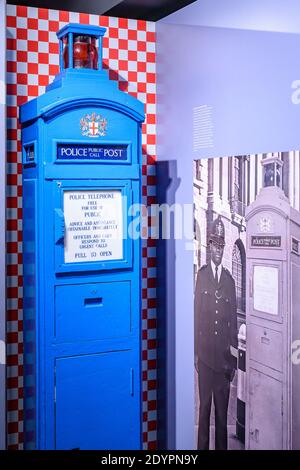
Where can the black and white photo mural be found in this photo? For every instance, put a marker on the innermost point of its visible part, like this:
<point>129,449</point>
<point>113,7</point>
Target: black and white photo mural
<point>247,278</point>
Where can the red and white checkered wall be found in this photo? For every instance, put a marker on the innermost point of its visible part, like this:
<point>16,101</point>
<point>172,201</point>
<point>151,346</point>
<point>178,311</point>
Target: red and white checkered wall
<point>32,62</point>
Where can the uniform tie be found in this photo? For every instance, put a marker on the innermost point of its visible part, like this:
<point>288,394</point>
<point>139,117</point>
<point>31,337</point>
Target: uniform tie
<point>216,276</point>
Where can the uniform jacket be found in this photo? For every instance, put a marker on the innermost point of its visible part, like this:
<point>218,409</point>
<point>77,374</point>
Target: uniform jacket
<point>215,320</point>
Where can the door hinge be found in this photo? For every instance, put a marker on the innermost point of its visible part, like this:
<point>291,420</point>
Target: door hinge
<point>59,226</point>
<point>55,384</point>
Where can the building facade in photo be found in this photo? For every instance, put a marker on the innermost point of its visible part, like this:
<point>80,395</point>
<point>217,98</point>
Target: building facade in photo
<point>225,186</point>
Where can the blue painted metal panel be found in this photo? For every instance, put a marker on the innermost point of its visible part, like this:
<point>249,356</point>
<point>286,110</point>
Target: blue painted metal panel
<point>82,320</point>
<point>95,402</point>
<point>29,311</point>
<point>96,31</point>
<point>92,311</point>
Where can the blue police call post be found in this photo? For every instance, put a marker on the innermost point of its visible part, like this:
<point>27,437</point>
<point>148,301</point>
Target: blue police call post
<point>81,144</point>
<point>272,319</point>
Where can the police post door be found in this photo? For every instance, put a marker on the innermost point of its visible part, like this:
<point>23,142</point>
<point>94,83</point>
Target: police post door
<point>81,145</point>
<point>273,297</point>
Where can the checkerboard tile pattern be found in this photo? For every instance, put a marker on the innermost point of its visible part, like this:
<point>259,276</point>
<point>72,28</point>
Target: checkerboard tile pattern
<point>32,62</point>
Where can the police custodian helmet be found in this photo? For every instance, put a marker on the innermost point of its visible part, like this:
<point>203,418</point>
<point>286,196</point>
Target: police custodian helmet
<point>217,234</point>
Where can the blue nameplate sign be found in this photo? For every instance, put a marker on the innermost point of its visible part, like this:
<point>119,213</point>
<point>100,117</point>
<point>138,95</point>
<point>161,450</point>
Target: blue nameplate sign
<point>91,152</point>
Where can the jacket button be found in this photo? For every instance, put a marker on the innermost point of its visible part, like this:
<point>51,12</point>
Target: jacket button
<point>216,332</point>
<point>216,322</point>
<point>217,311</point>
<point>216,301</point>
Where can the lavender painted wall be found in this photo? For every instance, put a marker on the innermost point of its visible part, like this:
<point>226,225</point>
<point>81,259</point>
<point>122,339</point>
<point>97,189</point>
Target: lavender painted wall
<point>245,77</point>
<point>258,15</point>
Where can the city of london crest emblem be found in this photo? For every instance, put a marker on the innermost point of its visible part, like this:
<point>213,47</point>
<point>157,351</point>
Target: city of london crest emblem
<point>93,125</point>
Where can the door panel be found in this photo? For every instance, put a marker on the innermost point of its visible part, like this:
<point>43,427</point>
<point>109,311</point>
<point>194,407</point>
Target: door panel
<point>93,311</point>
<point>265,346</point>
<point>97,405</point>
<point>265,412</point>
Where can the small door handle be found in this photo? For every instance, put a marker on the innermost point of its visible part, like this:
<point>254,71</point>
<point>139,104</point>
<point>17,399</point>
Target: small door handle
<point>254,434</point>
<point>131,382</point>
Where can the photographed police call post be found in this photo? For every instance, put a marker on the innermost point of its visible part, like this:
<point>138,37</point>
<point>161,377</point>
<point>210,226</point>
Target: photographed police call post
<point>215,339</point>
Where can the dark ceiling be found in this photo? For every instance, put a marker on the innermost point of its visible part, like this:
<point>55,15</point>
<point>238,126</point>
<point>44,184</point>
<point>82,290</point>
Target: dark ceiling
<point>150,10</point>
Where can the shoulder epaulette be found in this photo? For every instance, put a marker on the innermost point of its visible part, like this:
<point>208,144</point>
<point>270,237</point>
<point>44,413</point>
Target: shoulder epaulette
<point>204,266</point>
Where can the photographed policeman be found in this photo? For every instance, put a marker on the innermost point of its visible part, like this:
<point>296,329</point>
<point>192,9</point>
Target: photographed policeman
<point>215,339</point>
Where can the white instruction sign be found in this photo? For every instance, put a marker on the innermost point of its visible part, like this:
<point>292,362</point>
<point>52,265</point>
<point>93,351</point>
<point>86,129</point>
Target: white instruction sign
<point>265,289</point>
<point>93,226</point>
